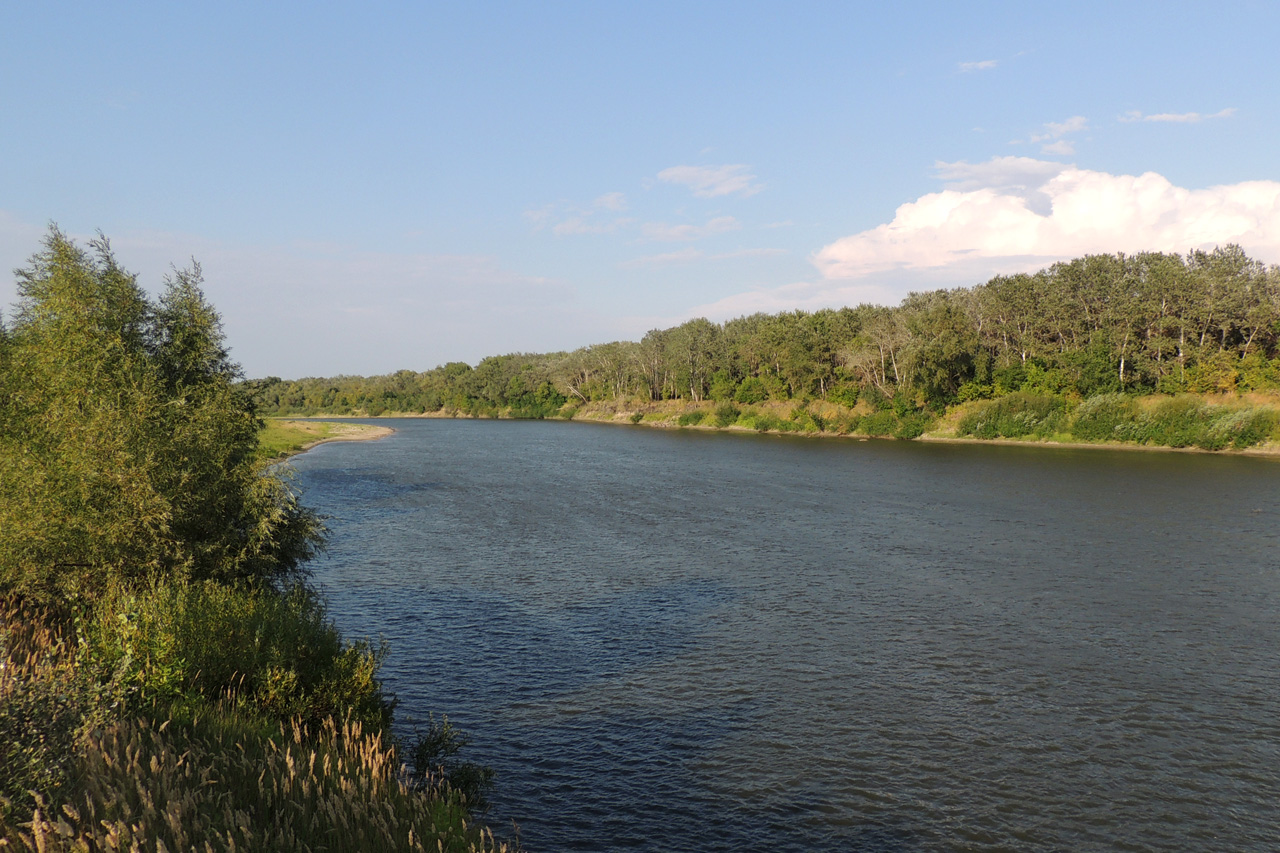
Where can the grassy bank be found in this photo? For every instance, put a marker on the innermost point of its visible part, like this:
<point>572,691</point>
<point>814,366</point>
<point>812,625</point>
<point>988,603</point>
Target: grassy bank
<point>1204,422</point>
<point>281,437</point>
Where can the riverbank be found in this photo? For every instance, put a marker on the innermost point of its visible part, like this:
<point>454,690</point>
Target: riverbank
<point>1190,423</point>
<point>285,437</point>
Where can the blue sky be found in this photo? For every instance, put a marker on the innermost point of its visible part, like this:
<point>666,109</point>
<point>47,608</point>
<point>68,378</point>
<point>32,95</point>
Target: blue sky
<point>395,185</point>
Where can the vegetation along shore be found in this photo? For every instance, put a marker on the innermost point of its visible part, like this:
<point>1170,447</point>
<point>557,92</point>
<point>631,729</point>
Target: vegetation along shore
<point>1150,350</point>
<point>282,437</point>
<point>169,680</point>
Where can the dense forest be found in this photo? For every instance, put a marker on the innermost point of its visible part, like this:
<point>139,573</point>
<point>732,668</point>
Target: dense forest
<point>168,677</point>
<point>1207,322</point>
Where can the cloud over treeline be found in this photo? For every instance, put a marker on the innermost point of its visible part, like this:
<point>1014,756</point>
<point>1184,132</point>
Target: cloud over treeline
<point>1027,212</point>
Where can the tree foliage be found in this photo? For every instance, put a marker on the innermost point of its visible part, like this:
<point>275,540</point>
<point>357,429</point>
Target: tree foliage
<point>127,444</point>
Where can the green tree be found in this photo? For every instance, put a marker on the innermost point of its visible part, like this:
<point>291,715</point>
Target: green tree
<point>126,448</point>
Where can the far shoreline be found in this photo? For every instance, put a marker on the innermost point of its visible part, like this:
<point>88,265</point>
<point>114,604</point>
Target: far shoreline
<point>1271,451</point>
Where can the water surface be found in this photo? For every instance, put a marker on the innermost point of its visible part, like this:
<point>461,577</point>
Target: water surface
<point>682,640</point>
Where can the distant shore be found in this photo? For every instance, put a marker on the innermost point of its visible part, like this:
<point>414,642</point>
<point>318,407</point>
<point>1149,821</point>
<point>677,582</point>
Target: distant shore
<point>663,416</point>
<point>286,437</point>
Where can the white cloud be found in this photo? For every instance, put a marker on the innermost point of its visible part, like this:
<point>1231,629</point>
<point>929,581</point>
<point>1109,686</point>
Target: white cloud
<point>1177,118</point>
<point>713,181</point>
<point>585,225</point>
<point>1053,133</point>
<point>984,65</point>
<point>611,201</point>
<point>666,233</point>
<point>575,219</point>
<point>1016,213</point>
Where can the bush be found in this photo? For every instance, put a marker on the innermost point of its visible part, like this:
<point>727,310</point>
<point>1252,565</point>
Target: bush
<point>727,414</point>
<point>1240,428</point>
<point>691,418</point>
<point>912,425</point>
<point>1014,416</point>
<point>189,643</point>
<point>1106,417</point>
<point>882,423</point>
<point>764,422</point>
<point>752,390</point>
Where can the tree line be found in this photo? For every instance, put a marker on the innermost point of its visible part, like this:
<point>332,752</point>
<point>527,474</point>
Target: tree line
<point>1207,321</point>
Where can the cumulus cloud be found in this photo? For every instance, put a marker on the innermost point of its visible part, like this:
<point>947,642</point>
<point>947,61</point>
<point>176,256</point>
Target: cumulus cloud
<point>667,233</point>
<point>984,65</point>
<point>1019,213</point>
<point>713,181</point>
<point>1177,118</point>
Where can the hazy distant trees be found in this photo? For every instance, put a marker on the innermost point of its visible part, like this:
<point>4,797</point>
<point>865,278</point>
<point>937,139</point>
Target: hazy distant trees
<point>1206,322</point>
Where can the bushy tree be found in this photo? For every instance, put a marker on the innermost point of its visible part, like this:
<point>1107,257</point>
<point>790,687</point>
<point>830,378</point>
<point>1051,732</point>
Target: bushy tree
<point>127,450</point>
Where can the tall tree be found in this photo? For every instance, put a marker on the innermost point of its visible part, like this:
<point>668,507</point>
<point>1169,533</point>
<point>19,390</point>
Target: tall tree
<point>126,449</point>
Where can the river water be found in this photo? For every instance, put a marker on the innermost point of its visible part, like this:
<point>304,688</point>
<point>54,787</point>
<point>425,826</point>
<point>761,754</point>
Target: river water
<point>673,640</point>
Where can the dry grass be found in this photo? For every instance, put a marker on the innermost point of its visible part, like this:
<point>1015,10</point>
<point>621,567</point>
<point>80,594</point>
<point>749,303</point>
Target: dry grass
<point>215,785</point>
<point>219,781</point>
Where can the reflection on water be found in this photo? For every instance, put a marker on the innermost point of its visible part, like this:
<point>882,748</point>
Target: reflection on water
<point>683,640</point>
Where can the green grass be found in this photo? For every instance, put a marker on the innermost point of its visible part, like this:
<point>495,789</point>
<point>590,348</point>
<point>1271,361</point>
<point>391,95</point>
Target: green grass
<point>281,438</point>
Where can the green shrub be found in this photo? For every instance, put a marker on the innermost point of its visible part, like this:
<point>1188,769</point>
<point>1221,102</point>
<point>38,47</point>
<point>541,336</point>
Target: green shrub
<point>433,754</point>
<point>1176,422</point>
<point>727,414</point>
<point>881,423</point>
<point>1240,428</point>
<point>636,417</point>
<point>764,422</point>
<point>1106,417</point>
<point>691,418</point>
<point>189,643</point>
<point>752,390</point>
<point>1014,416</point>
<point>912,425</point>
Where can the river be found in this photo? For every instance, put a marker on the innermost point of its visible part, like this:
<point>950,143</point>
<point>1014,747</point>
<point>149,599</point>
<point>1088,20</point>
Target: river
<point>675,640</point>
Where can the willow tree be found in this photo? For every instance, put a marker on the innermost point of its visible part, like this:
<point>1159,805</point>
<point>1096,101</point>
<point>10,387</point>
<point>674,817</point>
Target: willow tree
<point>126,448</point>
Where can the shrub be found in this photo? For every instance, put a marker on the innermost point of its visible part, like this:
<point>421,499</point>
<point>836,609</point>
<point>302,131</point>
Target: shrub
<point>636,417</point>
<point>912,425</point>
<point>764,422</point>
<point>1014,416</point>
<point>882,423</point>
<point>1241,428</point>
<point>691,418</point>
<point>752,390</point>
<point>1176,422</point>
<point>1106,417</point>
<point>727,414</point>
<point>189,643</point>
